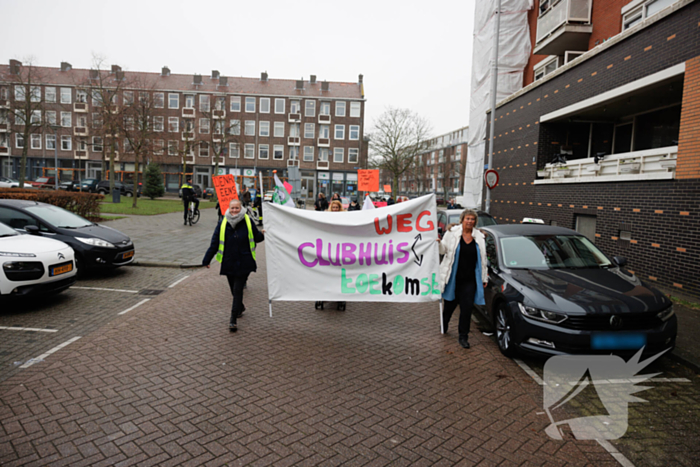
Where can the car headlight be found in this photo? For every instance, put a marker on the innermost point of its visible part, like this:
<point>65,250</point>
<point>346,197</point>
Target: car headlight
<point>541,315</point>
<point>666,314</point>
<point>17,255</point>
<point>96,242</point>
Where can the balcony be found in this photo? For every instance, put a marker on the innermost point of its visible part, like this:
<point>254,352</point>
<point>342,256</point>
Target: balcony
<point>4,104</point>
<point>4,127</point>
<point>326,119</point>
<point>188,136</point>
<point>80,107</point>
<point>565,25</point>
<point>324,142</point>
<point>293,141</point>
<point>294,118</point>
<point>187,112</point>
<point>292,162</point>
<point>322,165</point>
<point>80,131</point>
<point>651,164</point>
<point>221,160</point>
<point>218,114</point>
<point>217,137</point>
<point>4,150</point>
<point>81,154</point>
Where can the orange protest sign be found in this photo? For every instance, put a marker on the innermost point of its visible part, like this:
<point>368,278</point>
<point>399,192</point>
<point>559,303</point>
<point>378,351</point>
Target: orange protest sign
<point>387,188</point>
<point>225,190</point>
<point>368,180</point>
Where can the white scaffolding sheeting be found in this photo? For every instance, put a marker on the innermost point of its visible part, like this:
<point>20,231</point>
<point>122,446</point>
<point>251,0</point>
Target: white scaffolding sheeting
<point>513,51</point>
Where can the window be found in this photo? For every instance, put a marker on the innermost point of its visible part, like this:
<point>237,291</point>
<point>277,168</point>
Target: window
<point>250,104</point>
<point>66,143</point>
<point>3,93</point>
<point>324,131</point>
<point>220,103</point>
<point>278,152</point>
<point>19,140</point>
<point>218,127</point>
<point>354,132</point>
<point>263,151</point>
<point>143,97</point>
<point>279,130</point>
<point>204,125</point>
<point>189,101</point>
<point>35,94</point>
<point>173,148</point>
<point>323,154</point>
<point>50,95</point>
<point>340,109</point>
<point>546,67</point>
<point>127,146</point>
<point>353,155</point>
<point>204,103</point>
<point>340,132</point>
<point>325,108</point>
<point>158,146</point>
<point>19,93</point>
<point>310,108</point>
<point>294,107</point>
<point>36,141</point>
<point>173,124</point>
<point>129,123</point>
<point>249,128</point>
<point>173,100</point>
<point>50,141</point>
<point>294,130</point>
<point>96,120</point>
<point>35,118</point>
<point>19,117</point>
<point>293,153</point>
<point>128,98</point>
<point>249,151</point>
<point>81,96</point>
<point>308,153</point>
<point>309,130</point>
<point>234,150</point>
<point>279,106</point>
<point>158,123</point>
<point>355,109</point>
<point>158,100</point>
<point>235,128</point>
<point>97,145</point>
<point>204,150</point>
<point>66,96</point>
<point>338,155</point>
<point>264,128</point>
<point>188,125</point>
<point>265,105</point>
<point>81,121</point>
<point>235,103</point>
<point>645,9</point>
<point>96,98</point>
<point>66,119</point>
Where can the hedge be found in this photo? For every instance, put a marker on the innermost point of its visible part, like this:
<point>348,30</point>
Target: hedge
<point>86,205</point>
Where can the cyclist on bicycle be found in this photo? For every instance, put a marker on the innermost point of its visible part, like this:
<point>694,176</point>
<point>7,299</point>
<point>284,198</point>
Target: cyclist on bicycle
<point>188,195</point>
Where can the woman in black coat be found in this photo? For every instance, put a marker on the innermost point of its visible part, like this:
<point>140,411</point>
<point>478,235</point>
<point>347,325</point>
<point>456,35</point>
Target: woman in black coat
<point>238,256</point>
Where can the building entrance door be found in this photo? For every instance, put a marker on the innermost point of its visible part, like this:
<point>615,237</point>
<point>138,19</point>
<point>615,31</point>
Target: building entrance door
<point>94,170</point>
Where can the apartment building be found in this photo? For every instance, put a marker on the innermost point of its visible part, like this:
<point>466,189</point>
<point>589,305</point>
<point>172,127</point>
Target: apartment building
<point>264,124</point>
<point>604,137</point>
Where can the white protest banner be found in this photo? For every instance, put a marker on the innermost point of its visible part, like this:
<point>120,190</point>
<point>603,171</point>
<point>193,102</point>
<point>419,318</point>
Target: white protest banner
<point>378,255</point>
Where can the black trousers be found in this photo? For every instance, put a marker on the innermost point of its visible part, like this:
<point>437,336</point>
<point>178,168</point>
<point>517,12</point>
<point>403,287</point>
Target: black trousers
<point>187,205</point>
<point>464,297</point>
<point>236,284</point>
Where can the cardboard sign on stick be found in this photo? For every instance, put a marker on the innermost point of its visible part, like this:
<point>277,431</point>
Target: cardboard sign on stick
<point>387,188</point>
<point>368,180</point>
<point>225,186</point>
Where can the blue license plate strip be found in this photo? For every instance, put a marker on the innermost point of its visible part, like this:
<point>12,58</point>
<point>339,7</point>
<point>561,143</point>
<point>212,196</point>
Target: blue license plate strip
<point>617,341</point>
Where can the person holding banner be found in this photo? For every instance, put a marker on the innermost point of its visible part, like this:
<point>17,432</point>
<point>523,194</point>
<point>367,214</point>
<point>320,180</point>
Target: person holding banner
<point>233,243</point>
<point>336,206</point>
<point>463,272</point>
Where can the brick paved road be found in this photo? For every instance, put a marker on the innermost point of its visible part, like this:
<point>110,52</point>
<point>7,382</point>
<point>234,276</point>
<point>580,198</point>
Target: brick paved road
<point>167,384</point>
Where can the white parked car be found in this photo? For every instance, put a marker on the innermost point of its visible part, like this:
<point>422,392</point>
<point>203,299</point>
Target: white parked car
<point>8,183</point>
<point>31,265</point>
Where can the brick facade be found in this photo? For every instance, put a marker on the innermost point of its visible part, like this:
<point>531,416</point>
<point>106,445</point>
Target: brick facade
<point>689,137</point>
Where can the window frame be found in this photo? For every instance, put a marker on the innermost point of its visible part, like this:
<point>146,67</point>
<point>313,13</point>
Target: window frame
<point>312,126</point>
<point>340,105</point>
<point>246,148</point>
<point>357,155</point>
<point>66,138</point>
<point>50,94</point>
<point>66,92</point>
<point>310,156</point>
<point>204,126</point>
<point>97,142</point>
<point>280,148</point>
<point>173,97</point>
<point>231,147</point>
<point>69,116</point>
<point>250,105</point>
<point>35,137</point>
<point>350,132</point>
<point>174,122</point>
<point>249,128</point>
<point>278,126</point>
<point>283,103</point>
<point>235,102</point>
<point>264,129</point>
<point>204,103</point>
<point>50,141</point>
<point>264,105</point>
<point>337,151</point>
<point>158,123</point>
<point>355,107</point>
<point>340,127</point>
<point>158,100</point>
<point>265,147</point>
<point>309,107</point>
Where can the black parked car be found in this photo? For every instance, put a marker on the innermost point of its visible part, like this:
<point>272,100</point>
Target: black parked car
<point>551,292</point>
<point>89,185</point>
<point>70,185</point>
<point>95,245</point>
<point>446,217</point>
<point>124,188</point>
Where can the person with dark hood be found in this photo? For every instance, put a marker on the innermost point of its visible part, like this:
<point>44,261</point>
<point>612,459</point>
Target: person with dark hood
<point>390,201</point>
<point>321,203</point>
<point>354,205</point>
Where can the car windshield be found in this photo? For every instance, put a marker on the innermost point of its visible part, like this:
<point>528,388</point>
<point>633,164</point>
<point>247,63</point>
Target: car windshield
<point>552,252</point>
<point>482,221</point>
<point>6,231</point>
<point>58,216</point>
<point>88,181</point>
<point>42,180</point>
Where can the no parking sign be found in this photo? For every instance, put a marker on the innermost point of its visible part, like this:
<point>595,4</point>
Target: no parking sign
<point>491,178</point>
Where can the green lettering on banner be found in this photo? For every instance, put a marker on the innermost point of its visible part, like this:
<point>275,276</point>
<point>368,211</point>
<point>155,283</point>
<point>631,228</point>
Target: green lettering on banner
<point>374,279</point>
<point>345,283</point>
<point>425,282</point>
<point>362,283</point>
<point>398,285</point>
<point>436,286</point>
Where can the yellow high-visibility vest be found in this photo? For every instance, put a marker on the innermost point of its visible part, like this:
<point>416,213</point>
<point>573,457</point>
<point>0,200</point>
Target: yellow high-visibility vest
<point>222,237</point>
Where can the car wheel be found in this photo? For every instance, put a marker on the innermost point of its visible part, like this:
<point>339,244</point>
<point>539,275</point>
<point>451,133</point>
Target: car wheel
<point>79,266</point>
<point>503,324</point>
<point>129,194</point>
<point>102,192</point>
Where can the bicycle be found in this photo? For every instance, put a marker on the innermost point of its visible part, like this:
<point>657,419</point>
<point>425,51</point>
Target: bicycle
<point>192,214</point>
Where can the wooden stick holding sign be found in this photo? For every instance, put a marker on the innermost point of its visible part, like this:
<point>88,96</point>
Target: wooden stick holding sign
<point>225,186</point>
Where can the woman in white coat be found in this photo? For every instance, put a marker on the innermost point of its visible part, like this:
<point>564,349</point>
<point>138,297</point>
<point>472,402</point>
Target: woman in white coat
<point>463,272</point>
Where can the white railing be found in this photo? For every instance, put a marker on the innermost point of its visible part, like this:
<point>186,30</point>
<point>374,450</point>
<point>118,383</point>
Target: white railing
<point>650,164</point>
<point>564,11</point>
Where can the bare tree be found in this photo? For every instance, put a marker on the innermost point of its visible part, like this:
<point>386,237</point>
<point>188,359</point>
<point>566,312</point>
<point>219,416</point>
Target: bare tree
<point>397,139</point>
<point>24,81</point>
<point>215,132</point>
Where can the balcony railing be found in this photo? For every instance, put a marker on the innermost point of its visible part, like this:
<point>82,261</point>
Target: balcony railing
<point>81,154</point>
<point>4,150</point>
<point>564,11</point>
<point>218,114</point>
<point>324,119</point>
<point>322,165</point>
<point>4,127</point>
<point>80,131</point>
<point>187,112</point>
<point>293,141</point>
<point>650,164</point>
<point>292,162</point>
<point>294,117</point>
<point>324,142</point>
<point>80,107</point>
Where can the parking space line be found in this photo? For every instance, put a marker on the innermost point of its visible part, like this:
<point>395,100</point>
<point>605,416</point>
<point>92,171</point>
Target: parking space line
<point>105,289</point>
<point>41,357</point>
<point>138,304</point>
<point>529,371</point>
<point>12,328</point>
<point>178,281</point>
<point>619,457</point>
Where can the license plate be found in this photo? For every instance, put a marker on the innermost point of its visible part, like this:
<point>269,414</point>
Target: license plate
<point>611,341</point>
<point>128,254</point>
<point>58,270</point>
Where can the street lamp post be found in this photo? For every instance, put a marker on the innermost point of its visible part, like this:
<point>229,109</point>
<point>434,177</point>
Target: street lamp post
<point>55,154</point>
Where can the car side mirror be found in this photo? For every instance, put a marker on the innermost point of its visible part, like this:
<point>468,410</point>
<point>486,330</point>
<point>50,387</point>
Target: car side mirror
<point>620,261</point>
<point>31,229</point>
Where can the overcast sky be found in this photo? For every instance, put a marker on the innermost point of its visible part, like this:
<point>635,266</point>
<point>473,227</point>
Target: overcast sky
<point>413,54</point>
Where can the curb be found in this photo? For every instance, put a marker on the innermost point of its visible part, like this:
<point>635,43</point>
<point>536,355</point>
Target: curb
<point>684,361</point>
<point>164,264</point>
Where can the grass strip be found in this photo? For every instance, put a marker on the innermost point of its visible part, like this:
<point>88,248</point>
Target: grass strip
<point>146,207</point>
